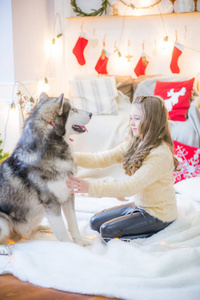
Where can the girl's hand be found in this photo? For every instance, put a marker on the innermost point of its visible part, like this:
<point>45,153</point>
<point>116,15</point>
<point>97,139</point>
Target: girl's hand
<point>77,185</point>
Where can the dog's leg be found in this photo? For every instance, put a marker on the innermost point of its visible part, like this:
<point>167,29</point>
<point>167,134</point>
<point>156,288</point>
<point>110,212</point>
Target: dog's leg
<point>69,211</point>
<point>4,234</point>
<point>57,225</point>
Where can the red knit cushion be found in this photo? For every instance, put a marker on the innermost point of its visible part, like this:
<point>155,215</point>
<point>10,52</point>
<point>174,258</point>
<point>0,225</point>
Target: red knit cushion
<point>189,161</point>
<point>177,97</point>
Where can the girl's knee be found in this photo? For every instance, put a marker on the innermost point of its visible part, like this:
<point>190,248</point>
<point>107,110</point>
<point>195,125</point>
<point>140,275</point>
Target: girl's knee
<point>106,231</point>
<point>103,229</point>
<point>94,223</point>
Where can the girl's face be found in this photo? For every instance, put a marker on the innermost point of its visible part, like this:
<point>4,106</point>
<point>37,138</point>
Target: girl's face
<point>135,118</point>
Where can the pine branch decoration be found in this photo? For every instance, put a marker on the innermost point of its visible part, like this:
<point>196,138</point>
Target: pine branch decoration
<point>98,12</point>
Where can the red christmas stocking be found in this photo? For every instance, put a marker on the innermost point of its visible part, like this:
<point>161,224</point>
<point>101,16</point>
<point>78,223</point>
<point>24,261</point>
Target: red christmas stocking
<point>177,51</point>
<point>101,66</point>
<point>141,65</point>
<point>79,48</point>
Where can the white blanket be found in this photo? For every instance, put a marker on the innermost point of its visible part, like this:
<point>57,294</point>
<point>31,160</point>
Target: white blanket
<point>164,266</point>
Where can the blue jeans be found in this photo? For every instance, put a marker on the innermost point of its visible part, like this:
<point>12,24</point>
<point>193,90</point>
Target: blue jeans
<point>126,222</point>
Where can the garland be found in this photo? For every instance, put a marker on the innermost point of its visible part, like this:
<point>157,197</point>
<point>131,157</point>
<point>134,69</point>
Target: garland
<point>97,12</point>
<point>142,7</point>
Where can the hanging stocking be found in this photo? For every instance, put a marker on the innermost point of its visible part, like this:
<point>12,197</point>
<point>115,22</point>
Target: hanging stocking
<point>141,65</point>
<point>101,66</point>
<point>79,49</point>
<point>177,51</point>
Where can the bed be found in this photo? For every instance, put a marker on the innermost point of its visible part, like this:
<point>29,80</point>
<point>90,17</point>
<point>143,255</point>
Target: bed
<point>164,266</point>
<point>105,131</point>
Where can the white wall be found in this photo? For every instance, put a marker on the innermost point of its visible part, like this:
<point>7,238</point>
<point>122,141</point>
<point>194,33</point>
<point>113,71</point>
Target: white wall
<point>30,38</point>
<point>26,29</point>
<point>6,42</point>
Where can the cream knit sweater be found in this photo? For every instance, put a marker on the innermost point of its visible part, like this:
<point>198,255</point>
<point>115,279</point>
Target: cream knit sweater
<point>152,183</point>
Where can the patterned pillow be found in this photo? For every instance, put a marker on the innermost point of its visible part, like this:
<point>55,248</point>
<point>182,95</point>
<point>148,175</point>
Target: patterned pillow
<point>189,161</point>
<point>177,97</point>
<point>95,95</point>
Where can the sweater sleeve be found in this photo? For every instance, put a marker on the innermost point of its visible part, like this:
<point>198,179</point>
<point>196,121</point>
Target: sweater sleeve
<point>100,159</point>
<point>154,167</point>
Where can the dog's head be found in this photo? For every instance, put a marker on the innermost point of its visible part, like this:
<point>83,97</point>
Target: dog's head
<point>60,115</point>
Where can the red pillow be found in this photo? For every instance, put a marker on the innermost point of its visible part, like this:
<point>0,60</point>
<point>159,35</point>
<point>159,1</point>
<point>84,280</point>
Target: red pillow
<point>177,97</point>
<point>189,161</point>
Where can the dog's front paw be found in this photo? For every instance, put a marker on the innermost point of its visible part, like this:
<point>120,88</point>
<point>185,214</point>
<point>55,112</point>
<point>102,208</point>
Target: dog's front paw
<point>83,242</point>
<point>5,250</point>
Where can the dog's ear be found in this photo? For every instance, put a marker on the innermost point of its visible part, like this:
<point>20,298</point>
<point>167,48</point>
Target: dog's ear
<point>43,96</point>
<point>60,102</point>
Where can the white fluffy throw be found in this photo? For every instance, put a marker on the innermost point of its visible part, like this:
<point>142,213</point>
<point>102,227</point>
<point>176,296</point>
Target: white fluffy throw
<point>164,266</point>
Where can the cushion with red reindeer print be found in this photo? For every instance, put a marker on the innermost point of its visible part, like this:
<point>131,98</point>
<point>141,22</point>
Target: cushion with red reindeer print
<point>189,161</point>
<point>177,97</point>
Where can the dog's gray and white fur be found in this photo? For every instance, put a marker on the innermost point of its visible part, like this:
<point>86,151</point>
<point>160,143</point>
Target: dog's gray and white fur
<point>33,178</point>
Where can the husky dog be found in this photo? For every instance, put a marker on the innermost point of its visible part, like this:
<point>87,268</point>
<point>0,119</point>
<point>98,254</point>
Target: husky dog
<point>33,178</point>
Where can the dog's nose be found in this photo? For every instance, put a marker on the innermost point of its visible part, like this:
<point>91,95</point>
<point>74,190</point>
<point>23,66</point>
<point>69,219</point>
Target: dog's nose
<point>90,115</point>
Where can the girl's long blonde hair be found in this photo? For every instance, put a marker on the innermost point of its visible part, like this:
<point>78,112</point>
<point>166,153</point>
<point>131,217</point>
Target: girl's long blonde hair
<point>153,130</point>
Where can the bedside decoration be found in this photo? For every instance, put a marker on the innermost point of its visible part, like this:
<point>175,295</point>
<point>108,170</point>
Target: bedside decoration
<point>59,32</point>
<point>142,63</point>
<point>177,51</point>
<point>140,7</point>
<point>93,42</point>
<point>101,65</point>
<point>181,6</point>
<point>79,49</point>
<point>98,12</point>
<point>114,10</point>
<point>128,57</point>
<point>117,49</point>
<point>26,103</point>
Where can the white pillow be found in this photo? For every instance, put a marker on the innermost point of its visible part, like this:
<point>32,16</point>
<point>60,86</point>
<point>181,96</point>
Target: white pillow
<point>95,95</point>
<point>189,187</point>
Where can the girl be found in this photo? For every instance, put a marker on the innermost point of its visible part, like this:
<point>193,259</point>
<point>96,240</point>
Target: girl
<point>148,161</point>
